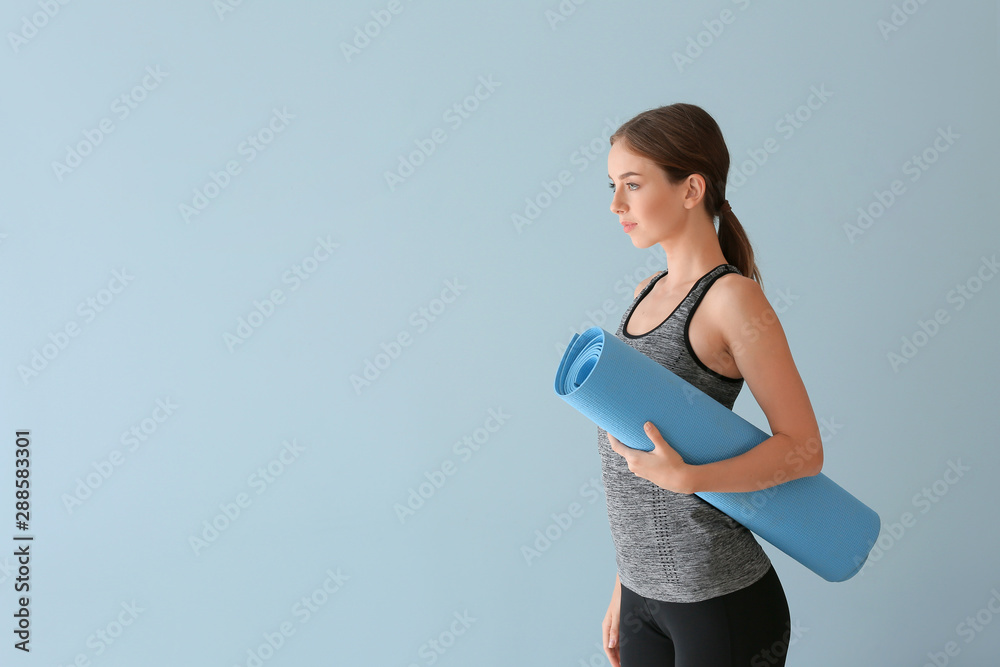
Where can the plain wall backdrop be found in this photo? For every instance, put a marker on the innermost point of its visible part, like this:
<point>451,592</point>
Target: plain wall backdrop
<point>285,286</point>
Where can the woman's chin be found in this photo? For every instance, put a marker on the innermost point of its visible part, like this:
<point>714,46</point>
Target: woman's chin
<point>639,241</point>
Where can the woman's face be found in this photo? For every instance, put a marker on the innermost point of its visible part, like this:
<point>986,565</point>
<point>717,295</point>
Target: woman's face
<point>644,199</point>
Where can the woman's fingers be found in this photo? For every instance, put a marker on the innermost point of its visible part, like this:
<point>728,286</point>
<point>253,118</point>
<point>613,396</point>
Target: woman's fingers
<point>614,657</point>
<point>610,632</point>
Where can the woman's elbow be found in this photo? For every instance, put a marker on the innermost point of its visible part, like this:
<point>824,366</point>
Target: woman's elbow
<point>814,447</point>
<point>808,455</point>
<point>819,463</point>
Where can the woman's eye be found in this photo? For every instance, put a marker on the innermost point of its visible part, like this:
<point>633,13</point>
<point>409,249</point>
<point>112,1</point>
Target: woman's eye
<point>612,185</point>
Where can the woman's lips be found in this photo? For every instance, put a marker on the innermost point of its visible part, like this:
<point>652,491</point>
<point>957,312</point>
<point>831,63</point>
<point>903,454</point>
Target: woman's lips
<point>628,226</point>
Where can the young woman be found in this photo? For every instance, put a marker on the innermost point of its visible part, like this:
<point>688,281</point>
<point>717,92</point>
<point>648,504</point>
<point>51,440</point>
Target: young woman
<point>694,588</point>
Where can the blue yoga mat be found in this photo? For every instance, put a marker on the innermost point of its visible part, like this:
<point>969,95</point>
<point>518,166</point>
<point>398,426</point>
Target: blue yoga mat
<point>812,519</point>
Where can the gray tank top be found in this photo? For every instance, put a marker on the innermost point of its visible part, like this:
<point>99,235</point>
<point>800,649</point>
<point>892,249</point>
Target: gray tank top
<point>669,546</point>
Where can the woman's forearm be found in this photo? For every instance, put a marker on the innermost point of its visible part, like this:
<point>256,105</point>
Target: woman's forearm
<point>774,461</point>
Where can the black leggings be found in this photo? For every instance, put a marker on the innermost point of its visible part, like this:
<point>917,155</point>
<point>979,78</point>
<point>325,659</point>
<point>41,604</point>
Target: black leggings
<point>750,627</point>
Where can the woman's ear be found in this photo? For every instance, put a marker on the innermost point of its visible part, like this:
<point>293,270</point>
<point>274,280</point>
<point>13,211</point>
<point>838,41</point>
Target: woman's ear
<point>694,190</point>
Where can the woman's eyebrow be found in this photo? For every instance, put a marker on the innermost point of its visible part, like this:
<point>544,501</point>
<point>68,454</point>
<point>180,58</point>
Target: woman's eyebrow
<point>627,173</point>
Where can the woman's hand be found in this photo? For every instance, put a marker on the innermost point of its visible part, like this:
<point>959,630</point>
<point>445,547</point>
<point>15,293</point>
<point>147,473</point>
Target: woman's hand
<point>609,629</point>
<point>663,466</point>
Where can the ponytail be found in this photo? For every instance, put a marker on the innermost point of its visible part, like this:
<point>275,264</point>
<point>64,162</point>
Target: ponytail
<point>735,245</point>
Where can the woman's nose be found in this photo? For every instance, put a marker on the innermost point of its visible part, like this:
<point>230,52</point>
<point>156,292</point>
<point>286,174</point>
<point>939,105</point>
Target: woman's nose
<point>617,205</point>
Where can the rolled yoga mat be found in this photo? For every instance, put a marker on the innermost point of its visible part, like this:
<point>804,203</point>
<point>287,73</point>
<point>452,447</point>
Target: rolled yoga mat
<point>812,519</point>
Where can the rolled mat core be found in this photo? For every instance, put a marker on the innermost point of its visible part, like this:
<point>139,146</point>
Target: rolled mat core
<point>812,519</point>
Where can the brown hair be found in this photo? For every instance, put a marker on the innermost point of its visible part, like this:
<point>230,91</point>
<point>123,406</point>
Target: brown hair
<point>683,139</point>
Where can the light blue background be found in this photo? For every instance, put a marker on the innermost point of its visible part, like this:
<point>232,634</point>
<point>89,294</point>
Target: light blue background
<point>496,345</point>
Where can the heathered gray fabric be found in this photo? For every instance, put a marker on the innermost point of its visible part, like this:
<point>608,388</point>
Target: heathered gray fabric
<point>676,547</point>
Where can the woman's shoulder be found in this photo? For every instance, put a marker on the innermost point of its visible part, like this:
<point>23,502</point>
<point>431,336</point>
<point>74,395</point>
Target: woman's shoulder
<point>642,285</point>
<point>733,285</point>
<point>734,299</point>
